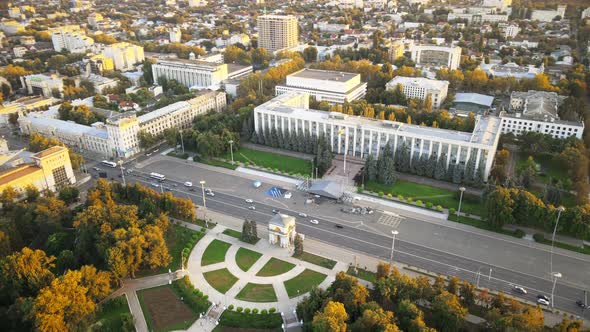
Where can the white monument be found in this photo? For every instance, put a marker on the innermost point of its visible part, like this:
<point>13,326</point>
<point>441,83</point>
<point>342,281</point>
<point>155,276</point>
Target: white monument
<point>281,230</point>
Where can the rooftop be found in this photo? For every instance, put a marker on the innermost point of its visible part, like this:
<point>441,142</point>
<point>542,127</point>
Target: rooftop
<point>421,82</point>
<point>49,151</point>
<point>474,98</point>
<point>189,62</point>
<point>12,174</point>
<point>66,126</point>
<point>324,75</point>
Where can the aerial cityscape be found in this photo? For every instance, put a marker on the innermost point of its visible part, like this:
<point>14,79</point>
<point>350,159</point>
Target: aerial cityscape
<point>294,165</point>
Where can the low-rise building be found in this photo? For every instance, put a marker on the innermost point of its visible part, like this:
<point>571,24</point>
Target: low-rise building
<point>548,15</point>
<point>325,85</point>
<point>39,84</point>
<point>49,169</point>
<point>511,69</point>
<point>420,88</point>
<point>25,104</point>
<point>537,111</point>
<point>191,73</point>
<point>290,113</point>
<point>472,102</point>
<point>438,56</point>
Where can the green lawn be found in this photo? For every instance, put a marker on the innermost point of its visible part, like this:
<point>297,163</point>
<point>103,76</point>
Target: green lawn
<point>271,160</point>
<point>304,282</point>
<point>245,258</point>
<point>250,322</point>
<point>215,252</point>
<point>362,274</point>
<point>257,293</point>
<point>562,245</point>
<point>317,260</point>
<point>164,310</point>
<point>114,315</point>
<point>482,224</point>
<point>202,223</point>
<point>549,170</point>
<point>221,279</point>
<point>232,233</point>
<point>274,267</point>
<point>436,196</point>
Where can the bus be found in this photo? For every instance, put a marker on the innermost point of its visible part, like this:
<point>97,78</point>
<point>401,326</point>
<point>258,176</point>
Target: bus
<point>157,176</point>
<point>108,163</point>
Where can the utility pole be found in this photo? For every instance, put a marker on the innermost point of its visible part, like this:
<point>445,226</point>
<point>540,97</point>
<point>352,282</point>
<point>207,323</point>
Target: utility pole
<point>181,142</point>
<point>394,233</point>
<point>202,182</point>
<point>231,150</point>
<point>122,172</point>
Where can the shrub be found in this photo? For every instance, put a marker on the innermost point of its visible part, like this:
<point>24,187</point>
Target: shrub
<point>452,211</point>
<point>264,311</point>
<point>247,163</point>
<point>380,194</point>
<point>240,309</point>
<point>247,310</point>
<point>439,208</point>
<point>410,199</point>
<point>230,307</point>
<point>429,205</point>
<point>359,190</point>
<point>272,310</point>
<point>538,237</point>
<point>519,233</point>
<point>419,202</point>
<point>400,197</point>
<point>255,311</point>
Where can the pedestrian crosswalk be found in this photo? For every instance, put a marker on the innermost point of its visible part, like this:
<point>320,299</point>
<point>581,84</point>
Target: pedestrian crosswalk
<point>390,219</point>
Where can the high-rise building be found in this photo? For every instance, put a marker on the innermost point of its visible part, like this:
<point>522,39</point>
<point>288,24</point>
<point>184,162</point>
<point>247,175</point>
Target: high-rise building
<point>124,55</point>
<point>70,38</point>
<point>277,32</point>
<point>175,35</point>
<point>396,50</point>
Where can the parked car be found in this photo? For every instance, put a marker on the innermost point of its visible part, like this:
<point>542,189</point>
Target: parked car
<point>249,201</point>
<point>302,215</point>
<point>314,221</point>
<point>210,193</point>
<point>543,302</point>
<point>518,289</point>
<point>252,207</point>
<point>541,296</point>
<point>581,304</point>
<point>338,226</point>
<point>275,211</point>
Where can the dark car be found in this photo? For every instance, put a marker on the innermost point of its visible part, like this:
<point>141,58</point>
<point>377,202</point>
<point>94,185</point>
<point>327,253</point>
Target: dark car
<point>541,296</point>
<point>581,304</point>
<point>338,226</point>
<point>275,211</point>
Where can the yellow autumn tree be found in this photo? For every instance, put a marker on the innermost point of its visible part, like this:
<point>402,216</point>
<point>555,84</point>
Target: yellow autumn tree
<point>25,272</point>
<point>97,282</point>
<point>332,319</point>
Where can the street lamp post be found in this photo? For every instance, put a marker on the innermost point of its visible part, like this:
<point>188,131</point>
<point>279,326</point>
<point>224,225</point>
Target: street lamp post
<point>559,210</point>
<point>556,275</point>
<point>231,150</point>
<point>202,182</point>
<point>122,173</point>
<point>394,233</point>
<point>181,142</point>
<point>461,189</point>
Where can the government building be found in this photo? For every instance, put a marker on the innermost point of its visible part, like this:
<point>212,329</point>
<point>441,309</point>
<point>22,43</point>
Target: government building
<point>363,136</point>
<point>437,56</point>
<point>331,86</point>
<point>191,73</point>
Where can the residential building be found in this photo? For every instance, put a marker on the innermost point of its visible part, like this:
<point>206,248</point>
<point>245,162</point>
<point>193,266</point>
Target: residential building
<point>277,32</point>
<point>325,85</point>
<point>537,111</point>
<point>100,63</point>
<point>511,70</point>
<point>330,27</point>
<point>290,113</point>
<point>191,73</point>
<point>586,13</point>
<point>478,18</point>
<point>11,27</point>
<point>39,84</point>
<point>396,50</point>
<point>175,35</point>
<point>19,51</point>
<point>70,38</point>
<point>124,55</point>
<point>50,169</point>
<point>548,15</point>
<point>376,4</point>
<point>511,31</point>
<point>118,137</point>
<point>181,114</point>
<point>420,88</point>
<point>350,4</point>
<point>100,83</point>
<point>197,3</point>
<point>94,19</point>
<point>25,104</point>
<point>500,4</point>
<point>438,56</point>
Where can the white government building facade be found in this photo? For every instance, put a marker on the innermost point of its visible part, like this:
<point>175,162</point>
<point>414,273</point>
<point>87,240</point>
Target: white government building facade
<point>118,136</point>
<point>325,85</point>
<point>363,136</point>
<point>191,73</point>
<point>439,56</point>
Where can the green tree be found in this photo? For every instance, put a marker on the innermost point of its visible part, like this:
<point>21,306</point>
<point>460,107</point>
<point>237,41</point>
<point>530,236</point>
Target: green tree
<point>448,313</point>
<point>298,245</point>
<point>310,54</point>
<point>500,207</point>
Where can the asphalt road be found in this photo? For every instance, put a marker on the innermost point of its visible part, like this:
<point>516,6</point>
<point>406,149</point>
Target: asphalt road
<point>373,243</point>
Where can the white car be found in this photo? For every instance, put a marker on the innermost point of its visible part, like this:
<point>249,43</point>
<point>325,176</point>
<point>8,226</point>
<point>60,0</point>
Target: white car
<point>252,207</point>
<point>155,184</point>
<point>96,169</point>
<point>210,193</point>
<point>302,215</point>
<point>188,184</point>
<point>249,201</point>
<point>543,302</point>
<point>314,221</point>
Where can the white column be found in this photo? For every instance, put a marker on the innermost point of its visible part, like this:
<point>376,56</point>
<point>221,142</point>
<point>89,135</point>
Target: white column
<point>412,150</point>
<point>362,142</point>
<point>317,129</point>
<point>256,114</point>
<point>378,144</point>
<point>458,154</point>
<point>489,160</point>
<point>439,150</point>
<point>394,144</point>
<point>421,147</point>
<point>449,155</point>
<point>370,141</point>
<point>477,158</point>
<point>468,155</point>
<point>332,136</point>
<point>346,138</point>
<point>339,136</point>
<point>430,143</point>
<point>354,142</point>
<point>289,123</point>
